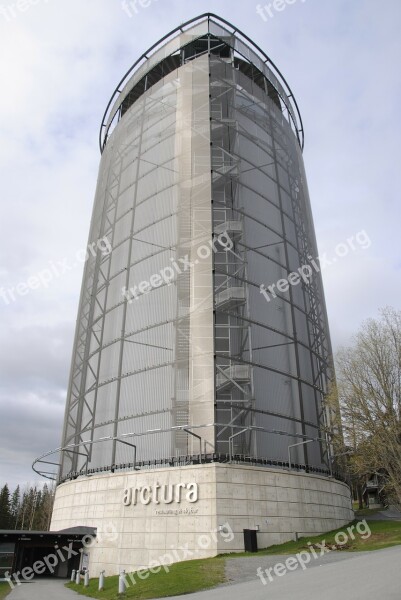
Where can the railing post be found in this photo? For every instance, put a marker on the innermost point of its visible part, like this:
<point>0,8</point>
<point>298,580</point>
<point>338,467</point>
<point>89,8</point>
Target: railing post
<point>121,583</point>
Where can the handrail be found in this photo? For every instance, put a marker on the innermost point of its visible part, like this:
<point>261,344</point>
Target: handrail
<point>290,96</point>
<point>121,438</point>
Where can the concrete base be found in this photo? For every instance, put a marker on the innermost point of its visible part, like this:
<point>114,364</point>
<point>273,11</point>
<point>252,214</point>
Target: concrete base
<point>167,515</point>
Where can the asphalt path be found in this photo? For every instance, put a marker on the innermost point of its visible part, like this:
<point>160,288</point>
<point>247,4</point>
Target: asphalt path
<point>43,589</point>
<point>391,514</point>
<point>346,575</point>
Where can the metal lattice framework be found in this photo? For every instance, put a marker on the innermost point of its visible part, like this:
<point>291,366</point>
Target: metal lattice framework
<point>41,463</point>
<point>123,87</point>
<point>201,138</point>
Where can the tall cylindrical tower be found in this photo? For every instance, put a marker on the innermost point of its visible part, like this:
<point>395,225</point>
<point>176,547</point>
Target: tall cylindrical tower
<point>202,352</point>
<point>203,199</point>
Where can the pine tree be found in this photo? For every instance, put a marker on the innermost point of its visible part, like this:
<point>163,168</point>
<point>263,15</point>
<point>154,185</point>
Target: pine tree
<point>25,508</point>
<point>44,509</point>
<point>15,506</point>
<point>30,509</point>
<point>34,496</point>
<point>5,511</point>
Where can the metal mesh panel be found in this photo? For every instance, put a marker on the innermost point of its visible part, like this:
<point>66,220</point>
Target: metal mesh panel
<point>203,151</point>
<point>265,359</point>
<point>141,361</point>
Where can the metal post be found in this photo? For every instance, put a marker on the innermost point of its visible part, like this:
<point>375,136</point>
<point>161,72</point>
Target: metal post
<point>230,441</point>
<point>128,444</point>
<point>86,579</point>
<point>73,576</point>
<point>78,577</point>
<point>101,581</point>
<point>200,442</point>
<point>121,583</point>
<point>293,446</point>
<point>330,459</point>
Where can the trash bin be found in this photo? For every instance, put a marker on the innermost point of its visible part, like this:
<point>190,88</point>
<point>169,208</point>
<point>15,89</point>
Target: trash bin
<point>250,540</point>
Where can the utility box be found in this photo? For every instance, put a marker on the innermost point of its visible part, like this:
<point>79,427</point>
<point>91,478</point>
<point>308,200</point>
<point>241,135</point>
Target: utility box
<point>250,540</point>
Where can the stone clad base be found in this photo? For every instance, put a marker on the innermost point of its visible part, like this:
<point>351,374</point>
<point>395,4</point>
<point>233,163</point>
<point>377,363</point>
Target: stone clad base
<point>166,515</point>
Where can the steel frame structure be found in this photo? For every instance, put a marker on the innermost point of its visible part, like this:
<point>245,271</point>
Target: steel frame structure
<point>120,91</point>
<point>244,84</point>
<point>198,458</point>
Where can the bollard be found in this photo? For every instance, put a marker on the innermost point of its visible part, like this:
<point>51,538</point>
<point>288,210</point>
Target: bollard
<point>121,583</point>
<point>73,576</point>
<point>86,579</point>
<point>101,581</point>
<point>78,577</point>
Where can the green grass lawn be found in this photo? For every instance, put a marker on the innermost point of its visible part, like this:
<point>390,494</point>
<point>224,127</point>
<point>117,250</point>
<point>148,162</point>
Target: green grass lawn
<point>4,590</point>
<point>384,534</point>
<point>182,578</point>
<point>195,575</point>
<point>368,511</point>
<point>360,512</point>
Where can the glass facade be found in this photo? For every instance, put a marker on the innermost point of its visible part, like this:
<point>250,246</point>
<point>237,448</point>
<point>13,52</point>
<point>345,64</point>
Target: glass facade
<point>202,198</point>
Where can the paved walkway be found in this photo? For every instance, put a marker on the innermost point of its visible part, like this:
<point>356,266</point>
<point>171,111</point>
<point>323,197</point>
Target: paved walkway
<point>356,575</point>
<point>391,514</point>
<point>244,568</point>
<point>359,576</point>
<point>43,589</point>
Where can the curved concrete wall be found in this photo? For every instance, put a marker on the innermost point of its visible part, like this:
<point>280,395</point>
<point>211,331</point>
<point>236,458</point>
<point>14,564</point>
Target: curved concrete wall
<point>166,515</point>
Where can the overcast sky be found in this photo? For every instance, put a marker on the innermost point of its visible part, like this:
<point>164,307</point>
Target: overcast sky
<point>60,62</point>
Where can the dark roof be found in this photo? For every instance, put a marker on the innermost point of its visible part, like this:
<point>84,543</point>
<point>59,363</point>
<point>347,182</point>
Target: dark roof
<point>81,529</point>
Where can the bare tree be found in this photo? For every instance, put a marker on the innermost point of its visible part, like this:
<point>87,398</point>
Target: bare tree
<point>369,390</point>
